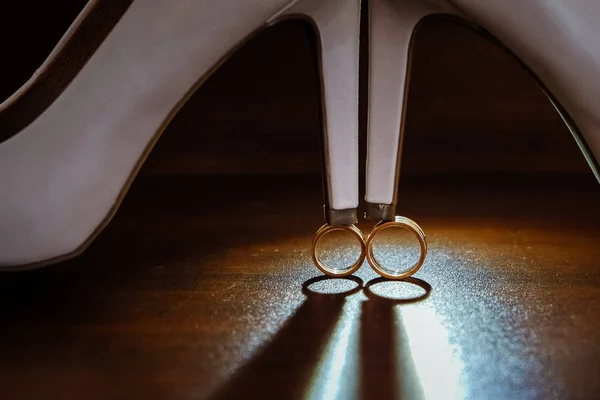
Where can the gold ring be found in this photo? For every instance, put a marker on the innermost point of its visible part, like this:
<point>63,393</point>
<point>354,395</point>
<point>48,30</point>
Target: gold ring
<point>398,222</point>
<point>324,230</point>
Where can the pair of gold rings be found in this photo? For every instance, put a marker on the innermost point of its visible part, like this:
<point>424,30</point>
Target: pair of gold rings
<point>366,248</point>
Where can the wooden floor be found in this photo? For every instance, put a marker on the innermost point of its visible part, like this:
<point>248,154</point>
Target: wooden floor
<point>202,287</point>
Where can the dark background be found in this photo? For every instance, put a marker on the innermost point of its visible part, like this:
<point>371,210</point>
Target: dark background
<point>471,106</point>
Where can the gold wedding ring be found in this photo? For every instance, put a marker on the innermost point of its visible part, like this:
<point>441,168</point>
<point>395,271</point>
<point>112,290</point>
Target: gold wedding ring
<point>398,222</point>
<point>336,272</point>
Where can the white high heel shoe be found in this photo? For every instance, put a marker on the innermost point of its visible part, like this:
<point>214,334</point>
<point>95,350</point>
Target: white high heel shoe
<point>64,175</point>
<point>556,41</point>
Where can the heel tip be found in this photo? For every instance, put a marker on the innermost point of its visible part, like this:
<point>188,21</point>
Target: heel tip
<point>380,212</point>
<point>348,216</point>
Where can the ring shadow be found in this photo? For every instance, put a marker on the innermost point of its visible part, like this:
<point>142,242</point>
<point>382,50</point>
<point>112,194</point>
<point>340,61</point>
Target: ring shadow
<point>284,367</point>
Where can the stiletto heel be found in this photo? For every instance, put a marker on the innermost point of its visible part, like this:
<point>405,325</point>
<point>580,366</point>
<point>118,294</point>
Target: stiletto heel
<point>64,175</point>
<point>391,27</point>
<point>337,24</point>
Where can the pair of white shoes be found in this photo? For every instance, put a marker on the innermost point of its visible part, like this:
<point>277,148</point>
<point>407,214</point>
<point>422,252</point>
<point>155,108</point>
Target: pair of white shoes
<point>66,167</point>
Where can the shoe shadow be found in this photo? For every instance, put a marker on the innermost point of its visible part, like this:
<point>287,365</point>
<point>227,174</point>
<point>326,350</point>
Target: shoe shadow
<point>285,367</point>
